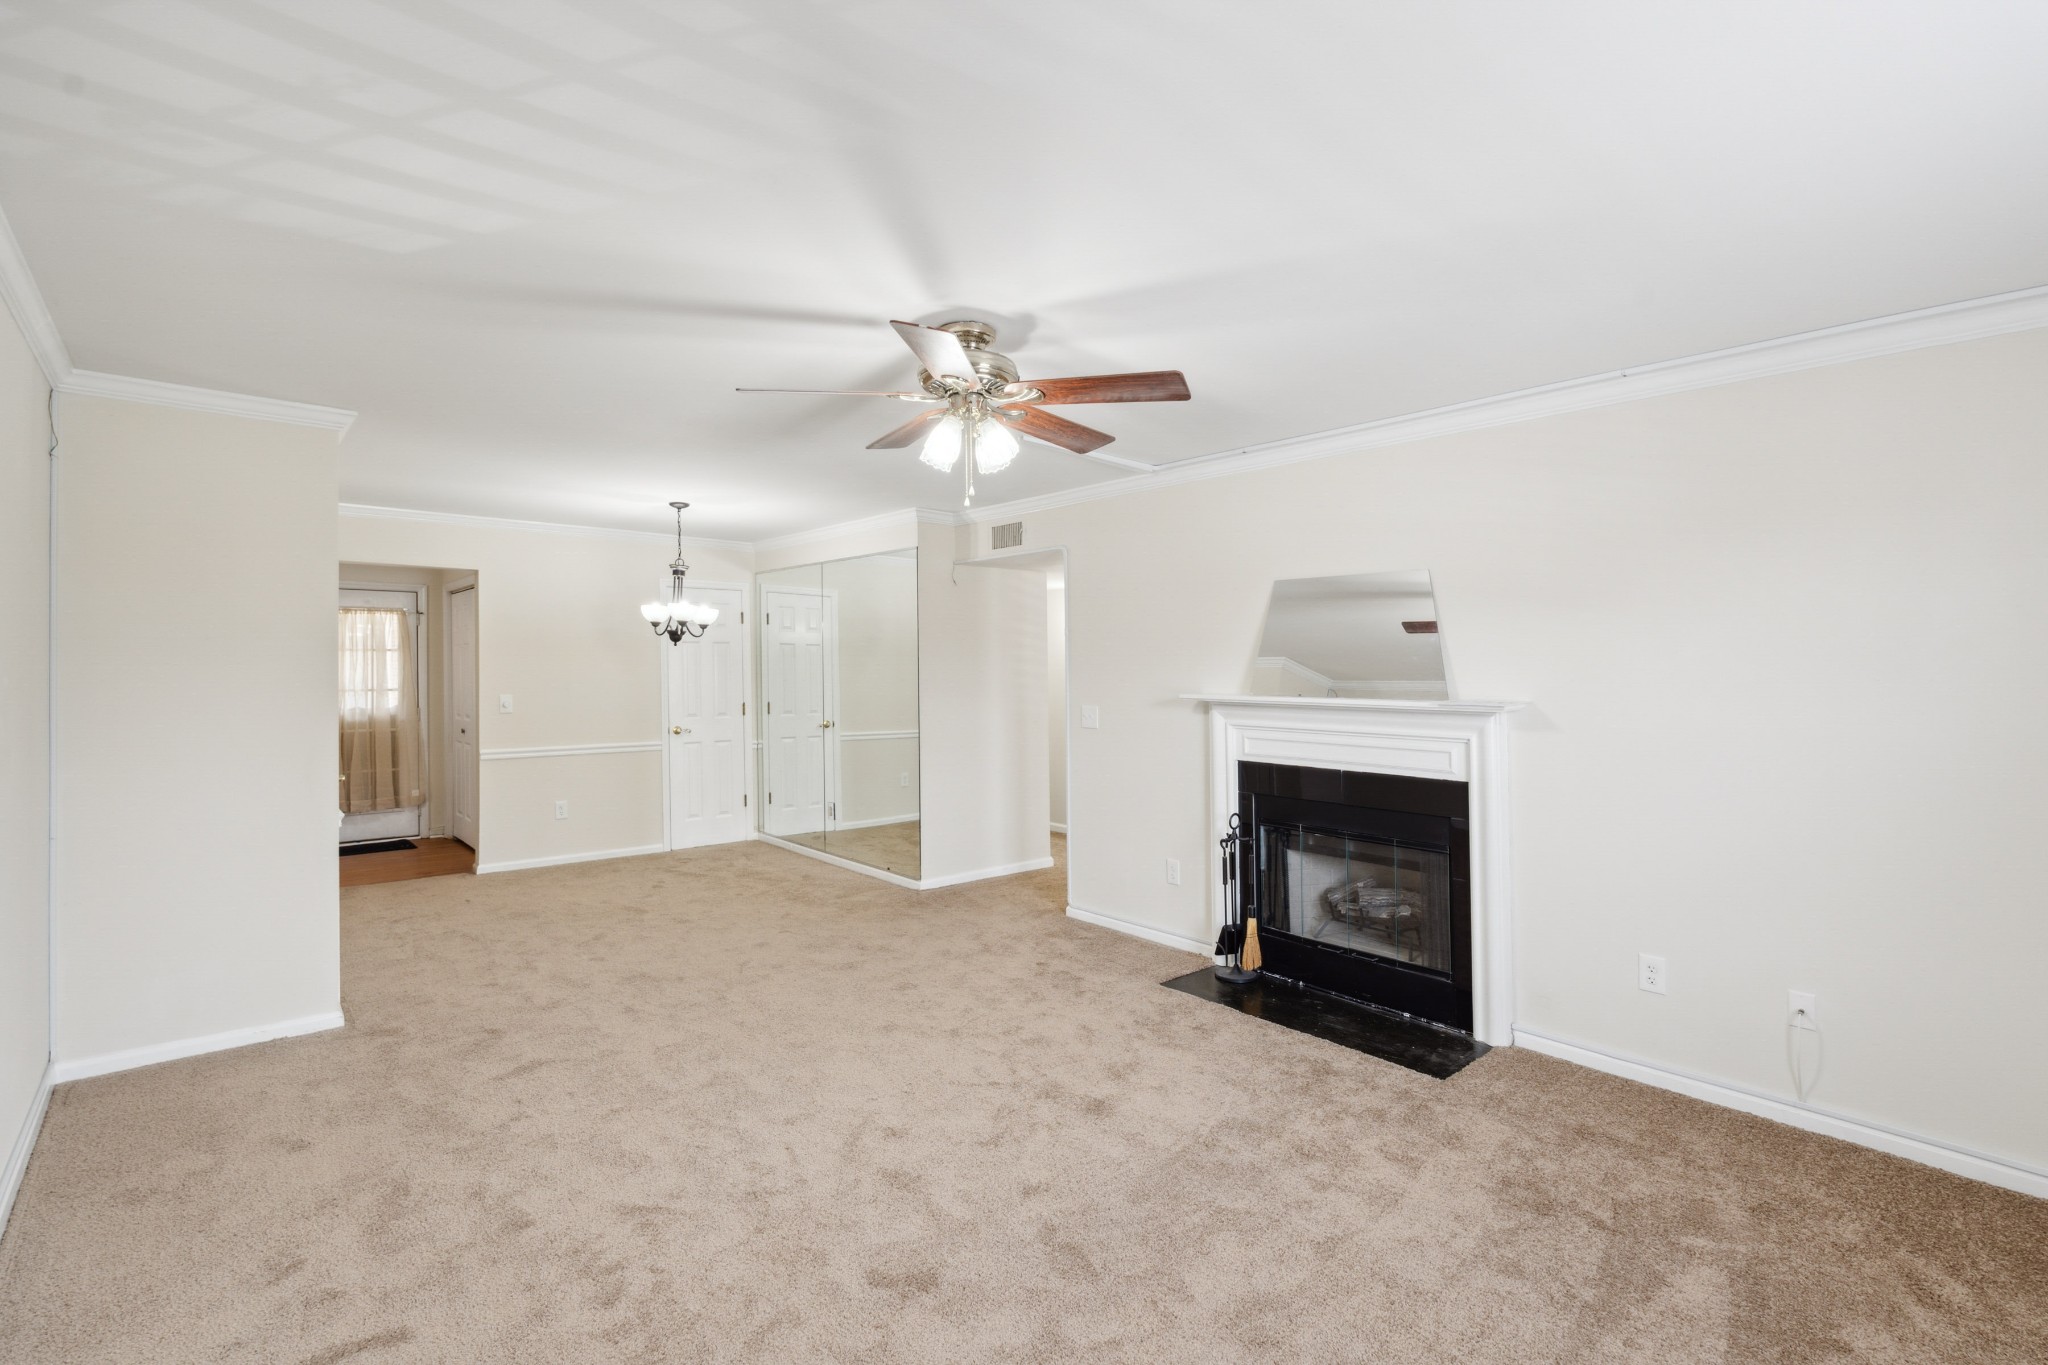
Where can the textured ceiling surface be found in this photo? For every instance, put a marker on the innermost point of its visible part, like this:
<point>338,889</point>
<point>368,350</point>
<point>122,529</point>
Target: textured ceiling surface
<point>536,244</point>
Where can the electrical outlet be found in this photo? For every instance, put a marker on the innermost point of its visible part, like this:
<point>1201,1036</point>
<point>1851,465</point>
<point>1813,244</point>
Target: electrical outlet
<point>1173,872</point>
<point>1804,1012</point>
<point>1091,718</point>
<point>903,780</point>
<point>1650,974</point>
<point>504,702</point>
<point>561,810</point>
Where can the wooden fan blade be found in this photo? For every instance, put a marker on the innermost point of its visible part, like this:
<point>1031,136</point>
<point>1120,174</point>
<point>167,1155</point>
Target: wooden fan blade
<point>908,433</point>
<point>938,350</point>
<point>1054,431</point>
<point>854,393</point>
<point>1153,386</point>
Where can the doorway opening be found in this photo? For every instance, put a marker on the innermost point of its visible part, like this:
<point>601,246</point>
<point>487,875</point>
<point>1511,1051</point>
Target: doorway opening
<point>407,783</point>
<point>1051,564</point>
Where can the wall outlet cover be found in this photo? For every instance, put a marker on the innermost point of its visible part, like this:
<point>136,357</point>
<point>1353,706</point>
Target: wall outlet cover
<point>561,810</point>
<point>1802,1010</point>
<point>504,701</point>
<point>1651,975</point>
<point>1091,718</point>
<point>1173,872</point>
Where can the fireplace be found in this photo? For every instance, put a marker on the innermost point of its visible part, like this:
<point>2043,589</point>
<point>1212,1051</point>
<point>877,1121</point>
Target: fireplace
<point>1362,885</point>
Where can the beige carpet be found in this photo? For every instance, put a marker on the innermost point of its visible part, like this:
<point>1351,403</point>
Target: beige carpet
<point>737,1105</point>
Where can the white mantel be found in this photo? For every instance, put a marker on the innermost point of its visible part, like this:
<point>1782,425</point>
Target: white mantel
<point>1448,741</point>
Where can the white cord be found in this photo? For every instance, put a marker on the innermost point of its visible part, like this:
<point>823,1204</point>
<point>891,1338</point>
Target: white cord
<point>1793,1028</point>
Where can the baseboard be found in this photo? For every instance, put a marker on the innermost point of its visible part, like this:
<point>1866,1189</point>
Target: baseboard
<point>847,863</point>
<point>2011,1175</point>
<point>24,1144</point>
<point>910,819</point>
<point>1058,828</point>
<point>1146,932</point>
<point>983,874</point>
<point>106,1063</point>
<point>557,860</point>
<point>896,879</point>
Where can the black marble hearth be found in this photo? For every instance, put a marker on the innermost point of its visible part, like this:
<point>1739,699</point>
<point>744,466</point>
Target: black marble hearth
<point>1397,1038</point>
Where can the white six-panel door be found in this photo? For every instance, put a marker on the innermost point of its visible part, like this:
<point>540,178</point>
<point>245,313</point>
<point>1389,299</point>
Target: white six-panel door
<point>707,738</point>
<point>462,779</point>
<point>794,687</point>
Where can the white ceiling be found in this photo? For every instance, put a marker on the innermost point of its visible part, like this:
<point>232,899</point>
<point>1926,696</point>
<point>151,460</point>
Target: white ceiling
<point>536,245</point>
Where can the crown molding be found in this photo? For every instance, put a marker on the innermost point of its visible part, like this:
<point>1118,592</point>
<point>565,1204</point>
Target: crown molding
<point>551,528</point>
<point>905,518</point>
<point>31,314</point>
<point>93,384</point>
<point>1946,324</point>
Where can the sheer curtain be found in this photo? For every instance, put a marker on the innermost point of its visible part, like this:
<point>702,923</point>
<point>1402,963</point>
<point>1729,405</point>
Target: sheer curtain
<point>380,719</point>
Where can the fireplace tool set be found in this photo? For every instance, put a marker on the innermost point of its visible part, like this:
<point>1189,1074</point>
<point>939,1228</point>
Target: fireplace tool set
<point>1239,940</point>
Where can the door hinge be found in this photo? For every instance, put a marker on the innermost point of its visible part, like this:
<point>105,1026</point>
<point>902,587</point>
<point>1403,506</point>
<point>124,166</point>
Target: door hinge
<point>743,618</point>
<point>767,618</point>
<point>768,708</point>
<point>771,798</point>
<point>743,798</point>
<point>743,708</point>
<point>832,810</point>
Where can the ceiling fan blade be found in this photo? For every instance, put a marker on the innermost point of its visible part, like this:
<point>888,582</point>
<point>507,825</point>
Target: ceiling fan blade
<point>938,350</point>
<point>909,432</point>
<point>1153,386</point>
<point>1054,431</point>
<point>854,393</point>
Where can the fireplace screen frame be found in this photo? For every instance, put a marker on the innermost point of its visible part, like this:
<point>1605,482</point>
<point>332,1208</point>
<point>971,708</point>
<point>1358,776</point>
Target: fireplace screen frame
<point>1421,814</point>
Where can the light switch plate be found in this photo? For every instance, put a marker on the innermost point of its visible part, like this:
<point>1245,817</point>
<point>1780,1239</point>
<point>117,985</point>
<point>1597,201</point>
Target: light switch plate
<point>1091,718</point>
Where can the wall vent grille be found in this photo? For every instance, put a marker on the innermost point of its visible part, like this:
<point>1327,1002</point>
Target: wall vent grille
<point>1008,536</point>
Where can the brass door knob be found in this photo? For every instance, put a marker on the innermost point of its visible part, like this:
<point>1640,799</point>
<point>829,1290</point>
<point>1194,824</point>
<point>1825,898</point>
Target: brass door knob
<point>677,730</point>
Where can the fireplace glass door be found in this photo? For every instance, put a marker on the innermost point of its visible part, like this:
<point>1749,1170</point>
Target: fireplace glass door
<point>1358,893</point>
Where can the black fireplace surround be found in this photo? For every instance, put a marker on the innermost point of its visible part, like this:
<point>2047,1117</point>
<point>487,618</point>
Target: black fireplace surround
<point>1362,885</point>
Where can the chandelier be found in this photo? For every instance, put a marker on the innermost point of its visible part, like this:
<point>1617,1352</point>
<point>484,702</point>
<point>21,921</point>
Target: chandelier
<point>670,613</point>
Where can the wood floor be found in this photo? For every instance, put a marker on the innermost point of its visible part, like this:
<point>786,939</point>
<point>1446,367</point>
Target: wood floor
<point>433,858</point>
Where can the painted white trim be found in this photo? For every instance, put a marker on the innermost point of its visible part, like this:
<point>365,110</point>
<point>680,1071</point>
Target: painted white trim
<point>128,389</point>
<point>906,818</point>
<point>985,873</point>
<point>31,314</point>
<point>2011,1175</point>
<point>848,864</point>
<point>848,735</point>
<point>1058,828</point>
<point>1945,324</point>
<point>1144,931</point>
<point>24,1144</point>
<point>1439,740</point>
<point>637,746</point>
<point>908,518</point>
<point>551,528</point>
<point>558,859</point>
<point>1436,705</point>
<point>82,1068</point>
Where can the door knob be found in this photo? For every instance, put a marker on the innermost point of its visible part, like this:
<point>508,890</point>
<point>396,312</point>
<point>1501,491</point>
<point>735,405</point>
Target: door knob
<point>677,730</point>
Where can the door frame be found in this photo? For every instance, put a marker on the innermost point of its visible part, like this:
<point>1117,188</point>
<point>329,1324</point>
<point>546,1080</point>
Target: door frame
<point>747,761</point>
<point>466,582</point>
<point>419,593</point>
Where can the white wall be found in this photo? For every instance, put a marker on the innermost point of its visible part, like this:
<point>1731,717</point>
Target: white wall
<point>195,889</point>
<point>24,749</point>
<point>1056,701</point>
<point>981,679</point>
<point>1783,643</point>
<point>559,628</point>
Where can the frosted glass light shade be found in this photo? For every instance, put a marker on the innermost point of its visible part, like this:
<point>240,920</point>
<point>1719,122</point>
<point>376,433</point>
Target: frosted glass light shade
<point>995,445</point>
<point>656,612</point>
<point>941,449</point>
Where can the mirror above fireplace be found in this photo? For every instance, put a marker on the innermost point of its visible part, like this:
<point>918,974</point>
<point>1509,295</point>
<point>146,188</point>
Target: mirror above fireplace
<point>1352,635</point>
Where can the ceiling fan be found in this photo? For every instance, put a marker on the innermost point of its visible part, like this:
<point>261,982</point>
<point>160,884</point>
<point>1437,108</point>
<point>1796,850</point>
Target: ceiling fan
<point>978,407</point>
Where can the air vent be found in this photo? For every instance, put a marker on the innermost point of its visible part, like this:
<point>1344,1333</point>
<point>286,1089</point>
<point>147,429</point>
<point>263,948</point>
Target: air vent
<point>1008,536</point>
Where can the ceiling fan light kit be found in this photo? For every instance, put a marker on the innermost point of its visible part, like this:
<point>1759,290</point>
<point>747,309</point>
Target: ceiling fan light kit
<point>979,407</point>
<point>670,613</point>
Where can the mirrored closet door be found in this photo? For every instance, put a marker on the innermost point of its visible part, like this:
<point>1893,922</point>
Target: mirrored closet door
<point>838,708</point>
